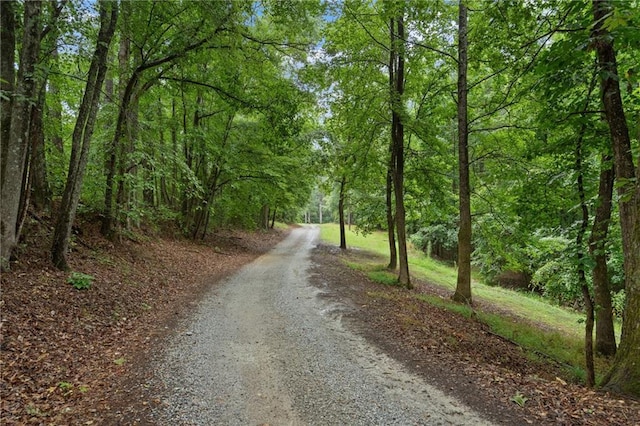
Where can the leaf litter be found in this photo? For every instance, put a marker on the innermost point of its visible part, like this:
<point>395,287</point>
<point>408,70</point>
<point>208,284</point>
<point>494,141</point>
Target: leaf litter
<point>71,356</point>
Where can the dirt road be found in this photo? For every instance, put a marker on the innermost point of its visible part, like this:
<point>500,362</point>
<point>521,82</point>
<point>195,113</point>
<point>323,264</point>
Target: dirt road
<point>264,348</point>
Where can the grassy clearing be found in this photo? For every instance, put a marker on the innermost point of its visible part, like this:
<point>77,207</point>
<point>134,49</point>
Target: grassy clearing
<point>559,335</point>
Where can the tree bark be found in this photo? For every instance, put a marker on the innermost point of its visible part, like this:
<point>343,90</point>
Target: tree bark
<point>41,194</point>
<point>7,76</point>
<point>463,286</point>
<point>397,135</point>
<point>273,218</point>
<point>580,260</point>
<point>82,133</point>
<point>624,376</point>
<point>605,334</point>
<point>125,93</point>
<point>343,237</point>
<point>391,222</point>
<point>14,149</point>
<point>264,217</point>
<point>54,116</point>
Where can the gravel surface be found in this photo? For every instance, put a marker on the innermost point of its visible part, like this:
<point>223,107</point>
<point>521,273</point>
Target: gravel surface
<point>264,348</point>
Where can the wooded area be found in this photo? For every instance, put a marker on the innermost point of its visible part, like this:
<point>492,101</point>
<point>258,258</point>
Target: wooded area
<point>500,135</point>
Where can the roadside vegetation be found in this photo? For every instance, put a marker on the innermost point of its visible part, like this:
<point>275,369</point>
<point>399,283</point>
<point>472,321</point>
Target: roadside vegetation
<point>543,329</point>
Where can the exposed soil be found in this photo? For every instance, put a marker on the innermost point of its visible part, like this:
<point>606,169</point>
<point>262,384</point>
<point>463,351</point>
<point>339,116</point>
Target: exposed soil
<point>72,356</point>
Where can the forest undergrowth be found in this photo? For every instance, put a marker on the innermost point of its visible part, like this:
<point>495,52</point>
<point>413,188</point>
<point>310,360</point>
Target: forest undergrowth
<point>70,356</point>
<point>66,353</point>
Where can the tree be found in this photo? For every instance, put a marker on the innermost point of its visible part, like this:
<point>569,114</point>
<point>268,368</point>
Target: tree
<point>82,134</point>
<point>605,333</point>
<point>342,196</point>
<point>396,80</point>
<point>15,148</point>
<point>154,56</point>
<point>625,373</point>
<point>463,286</point>
<point>7,75</point>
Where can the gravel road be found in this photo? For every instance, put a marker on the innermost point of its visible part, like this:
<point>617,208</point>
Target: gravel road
<point>263,348</point>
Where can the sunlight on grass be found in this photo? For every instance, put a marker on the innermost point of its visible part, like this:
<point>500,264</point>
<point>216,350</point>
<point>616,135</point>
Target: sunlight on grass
<point>529,307</point>
<point>376,242</point>
<point>559,333</point>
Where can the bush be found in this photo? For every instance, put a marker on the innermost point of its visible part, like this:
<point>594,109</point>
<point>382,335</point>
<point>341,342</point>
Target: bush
<point>556,280</point>
<point>439,240</point>
<point>80,281</point>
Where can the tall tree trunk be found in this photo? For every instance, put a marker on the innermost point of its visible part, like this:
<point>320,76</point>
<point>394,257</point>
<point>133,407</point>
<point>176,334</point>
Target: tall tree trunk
<point>7,76</point>
<point>605,334</point>
<point>187,198</point>
<point>171,200</point>
<point>54,116</point>
<point>580,259</point>
<point>273,218</point>
<point>343,237</point>
<point>82,133</point>
<point>14,149</point>
<point>41,195</point>
<point>264,217</point>
<point>397,134</point>
<point>463,286</point>
<point>202,216</point>
<point>624,376</point>
<point>391,222</point>
<point>126,90</point>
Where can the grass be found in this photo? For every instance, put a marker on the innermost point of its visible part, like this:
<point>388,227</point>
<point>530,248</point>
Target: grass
<point>553,331</point>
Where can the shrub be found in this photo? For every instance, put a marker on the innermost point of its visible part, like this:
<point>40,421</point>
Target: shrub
<point>439,240</point>
<point>80,281</point>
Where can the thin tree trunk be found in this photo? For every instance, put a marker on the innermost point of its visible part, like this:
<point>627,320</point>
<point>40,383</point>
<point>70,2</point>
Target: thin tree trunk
<point>82,133</point>
<point>126,91</point>
<point>580,259</point>
<point>624,376</point>
<point>264,217</point>
<point>54,121</point>
<point>273,217</point>
<point>397,134</point>
<point>391,222</point>
<point>174,145</point>
<point>605,334</point>
<point>343,237</point>
<point>14,149</point>
<point>463,286</point>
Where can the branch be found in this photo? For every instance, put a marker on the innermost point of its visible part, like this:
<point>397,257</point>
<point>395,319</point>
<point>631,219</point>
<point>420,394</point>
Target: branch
<point>57,9</point>
<point>490,76</point>
<point>366,30</point>
<point>502,126</point>
<point>211,114</point>
<point>550,32</point>
<point>433,49</point>
<point>173,56</point>
<point>210,86</point>
<point>277,44</point>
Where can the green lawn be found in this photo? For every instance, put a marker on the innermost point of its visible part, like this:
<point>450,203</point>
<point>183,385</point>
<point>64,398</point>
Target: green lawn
<point>561,335</point>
